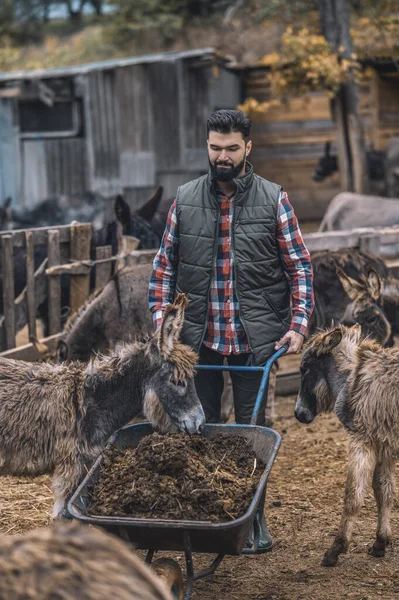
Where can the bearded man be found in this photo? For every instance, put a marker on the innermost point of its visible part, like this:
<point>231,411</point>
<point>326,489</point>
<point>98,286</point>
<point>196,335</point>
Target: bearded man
<point>232,244</point>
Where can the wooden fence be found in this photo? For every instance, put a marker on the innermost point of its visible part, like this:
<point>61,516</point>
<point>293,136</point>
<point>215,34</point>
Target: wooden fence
<point>67,251</point>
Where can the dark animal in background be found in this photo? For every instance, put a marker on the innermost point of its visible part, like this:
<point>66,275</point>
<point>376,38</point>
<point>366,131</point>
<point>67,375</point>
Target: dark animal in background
<point>62,210</point>
<point>154,211</point>
<point>357,379</point>
<point>6,215</point>
<point>136,225</point>
<point>56,418</point>
<point>332,298</point>
<point>340,298</point>
<point>328,164</point>
<point>73,561</point>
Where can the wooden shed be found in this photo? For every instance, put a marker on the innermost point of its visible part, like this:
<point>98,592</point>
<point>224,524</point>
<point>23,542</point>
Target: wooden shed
<point>290,138</point>
<point>110,127</point>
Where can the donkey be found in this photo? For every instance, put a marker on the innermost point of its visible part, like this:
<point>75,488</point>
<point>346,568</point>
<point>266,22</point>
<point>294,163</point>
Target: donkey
<point>118,313</point>
<point>342,299</point>
<point>69,561</point>
<point>56,418</point>
<point>356,378</point>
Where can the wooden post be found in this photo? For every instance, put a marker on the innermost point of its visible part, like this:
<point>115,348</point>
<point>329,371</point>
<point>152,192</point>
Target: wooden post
<point>80,250</point>
<point>8,290</point>
<point>129,244</point>
<point>54,283</point>
<point>370,243</point>
<point>30,284</point>
<point>359,163</point>
<point>342,146</point>
<point>104,270</point>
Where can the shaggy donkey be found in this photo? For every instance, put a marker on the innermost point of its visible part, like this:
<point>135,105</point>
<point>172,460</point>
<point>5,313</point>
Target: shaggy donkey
<point>364,308</point>
<point>118,313</point>
<point>71,561</point>
<point>356,378</point>
<point>57,418</point>
<point>349,290</point>
<point>331,302</point>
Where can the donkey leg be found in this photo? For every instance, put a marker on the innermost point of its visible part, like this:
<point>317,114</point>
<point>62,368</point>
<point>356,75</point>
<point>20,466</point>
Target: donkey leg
<point>66,478</point>
<point>384,491</point>
<point>361,463</point>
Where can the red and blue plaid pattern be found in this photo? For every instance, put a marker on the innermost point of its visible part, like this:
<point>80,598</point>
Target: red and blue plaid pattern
<point>225,332</point>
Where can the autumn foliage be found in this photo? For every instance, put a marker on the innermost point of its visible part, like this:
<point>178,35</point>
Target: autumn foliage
<point>306,62</point>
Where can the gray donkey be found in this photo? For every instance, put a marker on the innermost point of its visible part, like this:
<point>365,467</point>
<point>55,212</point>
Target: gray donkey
<point>56,418</point>
<point>356,378</point>
<point>118,313</point>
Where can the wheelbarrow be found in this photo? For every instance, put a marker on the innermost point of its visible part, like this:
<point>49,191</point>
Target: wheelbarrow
<point>228,538</point>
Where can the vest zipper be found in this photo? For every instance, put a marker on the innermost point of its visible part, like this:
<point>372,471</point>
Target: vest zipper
<point>210,279</point>
<point>235,278</point>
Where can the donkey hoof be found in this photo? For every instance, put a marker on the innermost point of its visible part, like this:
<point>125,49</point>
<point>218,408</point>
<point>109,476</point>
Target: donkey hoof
<point>330,559</point>
<point>377,551</point>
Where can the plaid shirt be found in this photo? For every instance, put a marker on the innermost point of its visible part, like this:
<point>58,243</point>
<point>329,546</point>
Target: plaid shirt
<point>225,332</point>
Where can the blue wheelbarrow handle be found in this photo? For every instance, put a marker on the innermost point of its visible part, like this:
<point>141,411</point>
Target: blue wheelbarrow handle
<point>265,377</point>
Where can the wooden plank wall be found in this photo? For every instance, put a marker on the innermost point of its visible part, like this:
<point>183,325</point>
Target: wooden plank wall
<point>66,166</point>
<point>103,132</point>
<point>9,153</point>
<point>135,105</point>
<point>388,109</point>
<point>289,139</point>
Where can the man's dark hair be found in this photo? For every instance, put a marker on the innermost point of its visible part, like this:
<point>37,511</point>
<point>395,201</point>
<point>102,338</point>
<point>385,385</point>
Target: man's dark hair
<point>227,121</point>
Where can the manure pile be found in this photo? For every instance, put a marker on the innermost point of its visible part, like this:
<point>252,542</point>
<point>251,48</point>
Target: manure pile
<point>178,476</point>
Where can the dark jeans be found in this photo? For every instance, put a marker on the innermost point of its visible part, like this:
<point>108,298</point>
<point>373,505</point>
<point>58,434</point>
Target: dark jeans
<point>209,386</point>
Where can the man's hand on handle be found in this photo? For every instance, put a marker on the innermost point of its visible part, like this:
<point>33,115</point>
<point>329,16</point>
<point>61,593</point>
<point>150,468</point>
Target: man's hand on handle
<point>293,339</point>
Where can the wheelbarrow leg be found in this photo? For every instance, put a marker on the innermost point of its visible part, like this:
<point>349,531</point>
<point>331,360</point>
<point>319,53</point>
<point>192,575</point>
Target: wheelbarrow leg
<point>189,566</point>
<point>259,540</point>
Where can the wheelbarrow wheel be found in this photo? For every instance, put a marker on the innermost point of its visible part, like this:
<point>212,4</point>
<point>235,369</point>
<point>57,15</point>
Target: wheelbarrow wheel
<point>170,572</point>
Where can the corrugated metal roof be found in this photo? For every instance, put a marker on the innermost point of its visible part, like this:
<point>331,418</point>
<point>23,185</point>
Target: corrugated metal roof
<point>105,64</point>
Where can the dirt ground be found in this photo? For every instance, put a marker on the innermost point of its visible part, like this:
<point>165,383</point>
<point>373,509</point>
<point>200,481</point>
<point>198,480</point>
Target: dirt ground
<point>304,502</point>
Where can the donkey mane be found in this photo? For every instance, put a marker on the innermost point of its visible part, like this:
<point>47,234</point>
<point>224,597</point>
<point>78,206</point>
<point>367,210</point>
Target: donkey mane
<point>109,365</point>
<point>74,317</point>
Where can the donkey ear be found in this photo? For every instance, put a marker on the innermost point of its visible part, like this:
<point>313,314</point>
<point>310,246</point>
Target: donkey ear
<point>352,288</point>
<point>329,341</point>
<point>374,283</point>
<point>148,210</point>
<point>122,212</point>
<point>172,325</point>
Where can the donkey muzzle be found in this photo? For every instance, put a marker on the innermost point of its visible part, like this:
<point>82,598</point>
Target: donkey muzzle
<point>302,414</point>
<point>194,421</point>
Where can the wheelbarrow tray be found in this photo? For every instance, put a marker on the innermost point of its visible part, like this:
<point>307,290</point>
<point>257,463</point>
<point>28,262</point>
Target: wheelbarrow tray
<point>161,534</point>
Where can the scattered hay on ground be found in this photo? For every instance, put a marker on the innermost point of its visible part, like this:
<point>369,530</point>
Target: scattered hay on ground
<point>25,503</point>
<point>178,477</point>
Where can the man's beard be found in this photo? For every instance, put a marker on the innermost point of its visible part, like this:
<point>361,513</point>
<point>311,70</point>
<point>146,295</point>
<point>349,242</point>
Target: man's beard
<point>228,173</point>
